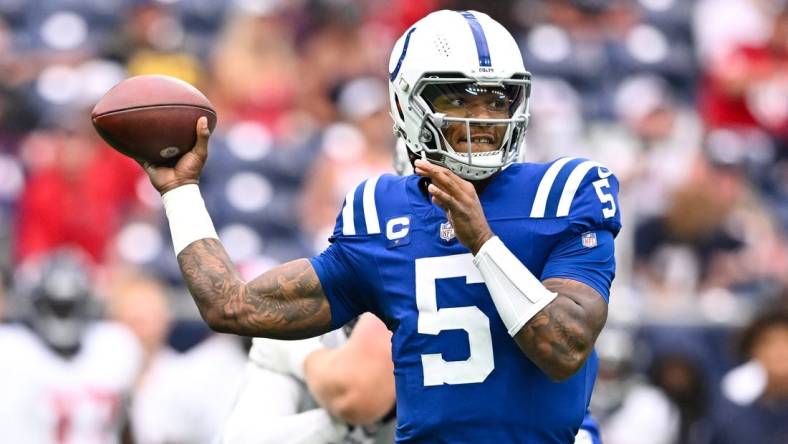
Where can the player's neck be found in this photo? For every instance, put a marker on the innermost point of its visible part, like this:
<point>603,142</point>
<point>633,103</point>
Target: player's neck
<point>479,185</point>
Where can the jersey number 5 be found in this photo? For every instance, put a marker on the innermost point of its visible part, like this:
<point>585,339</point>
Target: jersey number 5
<point>432,321</point>
<point>599,186</point>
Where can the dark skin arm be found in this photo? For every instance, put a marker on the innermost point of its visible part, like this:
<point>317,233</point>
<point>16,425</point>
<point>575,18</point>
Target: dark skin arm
<point>286,302</point>
<point>561,336</point>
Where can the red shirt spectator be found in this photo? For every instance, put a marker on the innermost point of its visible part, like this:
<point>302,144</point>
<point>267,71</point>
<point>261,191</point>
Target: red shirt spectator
<point>79,200</point>
<point>750,86</point>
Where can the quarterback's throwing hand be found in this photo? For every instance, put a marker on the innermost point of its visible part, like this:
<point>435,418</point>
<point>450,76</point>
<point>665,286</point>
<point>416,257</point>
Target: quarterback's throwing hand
<point>458,198</point>
<point>188,168</point>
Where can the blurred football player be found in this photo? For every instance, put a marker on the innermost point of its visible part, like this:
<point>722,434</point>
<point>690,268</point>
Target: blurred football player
<point>66,376</point>
<point>338,388</point>
<point>493,276</point>
<point>180,396</point>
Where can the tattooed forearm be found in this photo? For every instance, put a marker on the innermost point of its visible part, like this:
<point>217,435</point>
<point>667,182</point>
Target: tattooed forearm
<point>560,338</point>
<point>285,302</point>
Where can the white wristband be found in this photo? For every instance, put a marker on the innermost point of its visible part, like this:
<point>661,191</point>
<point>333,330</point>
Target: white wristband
<point>188,218</point>
<point>517,294</point>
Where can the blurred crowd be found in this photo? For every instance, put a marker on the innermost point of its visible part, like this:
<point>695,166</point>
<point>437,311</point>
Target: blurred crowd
<point>685,100</point>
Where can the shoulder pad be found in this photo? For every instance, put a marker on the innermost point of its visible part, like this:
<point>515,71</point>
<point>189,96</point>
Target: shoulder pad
<point>580,189</point>
<point>360,215</point>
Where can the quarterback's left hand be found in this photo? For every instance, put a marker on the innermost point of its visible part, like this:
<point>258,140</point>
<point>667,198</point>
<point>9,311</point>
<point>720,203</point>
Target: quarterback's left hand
<point>285,357</point>
<point>458,198</point>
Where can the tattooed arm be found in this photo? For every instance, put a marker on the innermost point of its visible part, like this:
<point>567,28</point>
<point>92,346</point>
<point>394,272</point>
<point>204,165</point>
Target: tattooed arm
<point>286,302</point>
<point>560,338</point>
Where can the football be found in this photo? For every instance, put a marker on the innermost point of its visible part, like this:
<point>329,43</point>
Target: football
<point>152,118</point>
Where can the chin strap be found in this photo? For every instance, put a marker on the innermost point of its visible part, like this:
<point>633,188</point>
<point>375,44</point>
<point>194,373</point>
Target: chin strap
<point>469,172</point>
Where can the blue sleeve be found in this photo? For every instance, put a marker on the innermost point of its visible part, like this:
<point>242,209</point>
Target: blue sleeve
<point>595,204</point>
<point>587,257</point>
<point>341,285</point>
<point>348,269</point>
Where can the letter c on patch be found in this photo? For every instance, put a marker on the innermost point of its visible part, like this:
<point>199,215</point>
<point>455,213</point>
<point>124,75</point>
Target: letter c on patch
<point>397,228</point>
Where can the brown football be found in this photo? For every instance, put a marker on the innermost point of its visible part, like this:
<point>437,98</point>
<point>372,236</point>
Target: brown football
<point>152,117</point>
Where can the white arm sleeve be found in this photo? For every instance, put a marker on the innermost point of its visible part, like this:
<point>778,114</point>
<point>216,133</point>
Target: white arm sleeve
<point>517,294</point>
<point>266,412</point>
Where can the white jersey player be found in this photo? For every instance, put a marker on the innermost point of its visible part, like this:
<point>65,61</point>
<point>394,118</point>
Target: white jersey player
<point>309,391</point>
<point>47,398</point>
<point>181,396</point>
<point>63,378</point>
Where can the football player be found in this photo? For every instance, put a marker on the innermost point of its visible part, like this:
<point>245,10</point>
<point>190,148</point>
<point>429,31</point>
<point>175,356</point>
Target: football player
<point>66,377</point>
<point>276,403</point>
<point>337,388</point>
<point>493,276</point>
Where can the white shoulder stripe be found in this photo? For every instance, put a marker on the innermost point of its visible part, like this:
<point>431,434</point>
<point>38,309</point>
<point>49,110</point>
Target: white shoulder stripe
<point>348,224</point>
<point>572,183</point>
<point>543,192</point>
<point>370,209</point>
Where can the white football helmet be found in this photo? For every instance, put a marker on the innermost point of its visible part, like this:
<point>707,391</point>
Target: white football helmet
<point>452,53</point>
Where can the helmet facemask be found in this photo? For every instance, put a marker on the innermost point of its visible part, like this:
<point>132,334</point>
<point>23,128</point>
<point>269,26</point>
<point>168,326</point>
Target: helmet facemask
<point>58,292</point>
<point>473,128</point>
<point>60,321</point>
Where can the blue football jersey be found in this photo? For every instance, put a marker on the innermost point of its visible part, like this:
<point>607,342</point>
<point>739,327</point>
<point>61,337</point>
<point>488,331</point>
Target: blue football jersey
<point>459,376</point>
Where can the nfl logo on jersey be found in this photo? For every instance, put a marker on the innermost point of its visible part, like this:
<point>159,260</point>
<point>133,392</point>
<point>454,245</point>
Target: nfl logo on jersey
<point>447,231</point>
<point>588,239</point>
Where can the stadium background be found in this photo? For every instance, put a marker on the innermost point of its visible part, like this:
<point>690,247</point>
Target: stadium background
<point>685,100</point>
